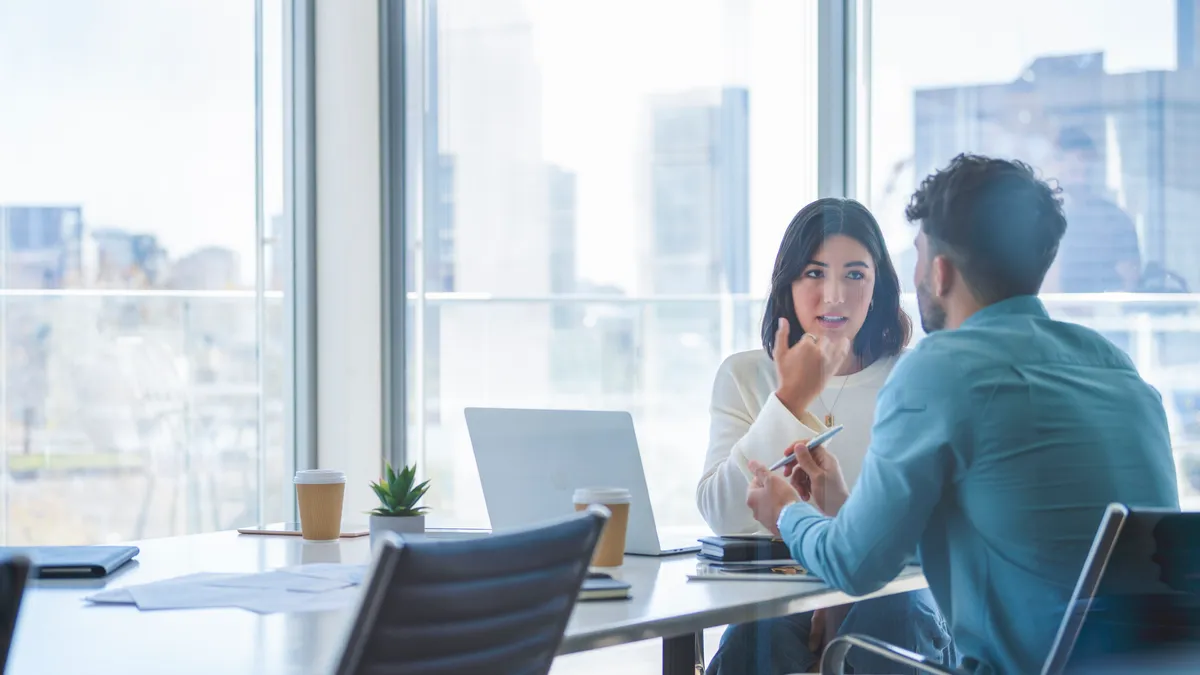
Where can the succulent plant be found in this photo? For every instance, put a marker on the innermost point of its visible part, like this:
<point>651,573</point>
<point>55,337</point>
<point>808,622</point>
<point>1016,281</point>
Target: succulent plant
<point>398,496</point>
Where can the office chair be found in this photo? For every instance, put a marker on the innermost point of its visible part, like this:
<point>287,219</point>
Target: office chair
<point>1135,608</point>
<point>495,604</point>
<point>14,572</point>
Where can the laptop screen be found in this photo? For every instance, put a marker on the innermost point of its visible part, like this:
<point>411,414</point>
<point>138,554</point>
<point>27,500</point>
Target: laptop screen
<point>1145,612</point>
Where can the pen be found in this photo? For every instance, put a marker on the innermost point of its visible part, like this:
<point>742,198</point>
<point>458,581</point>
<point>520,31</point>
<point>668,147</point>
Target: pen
<point>820,440</point>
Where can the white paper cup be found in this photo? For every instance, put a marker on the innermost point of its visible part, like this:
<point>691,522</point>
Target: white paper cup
<point>319,493</point>
<point>610,550</point>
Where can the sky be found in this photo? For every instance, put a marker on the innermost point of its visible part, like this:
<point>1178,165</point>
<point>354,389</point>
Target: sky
<point>143,110</point>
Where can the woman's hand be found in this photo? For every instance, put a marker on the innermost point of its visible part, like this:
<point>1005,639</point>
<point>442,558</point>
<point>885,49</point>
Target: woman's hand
<point>805,367</point>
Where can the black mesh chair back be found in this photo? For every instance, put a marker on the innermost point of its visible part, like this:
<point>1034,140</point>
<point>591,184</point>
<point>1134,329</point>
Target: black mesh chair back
<point>1135,608</point>
<point>496,604</point>
<point>14,572</point>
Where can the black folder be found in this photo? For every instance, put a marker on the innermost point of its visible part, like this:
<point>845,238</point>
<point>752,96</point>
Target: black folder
<point>72,562</point>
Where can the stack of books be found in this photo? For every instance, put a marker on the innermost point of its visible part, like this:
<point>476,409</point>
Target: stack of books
<point>747,557</point>
<point>743,549</point>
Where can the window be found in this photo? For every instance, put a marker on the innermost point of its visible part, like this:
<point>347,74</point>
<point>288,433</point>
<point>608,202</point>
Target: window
<point>611,184</point>
<point>1105,98</point>
<point>142,387</point>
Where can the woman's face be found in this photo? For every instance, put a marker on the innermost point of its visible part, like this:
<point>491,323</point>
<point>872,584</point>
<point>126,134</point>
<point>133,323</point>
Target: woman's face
<point>833,294</point>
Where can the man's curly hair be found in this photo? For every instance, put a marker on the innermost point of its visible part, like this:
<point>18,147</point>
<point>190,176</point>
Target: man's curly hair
<point>995,220</point>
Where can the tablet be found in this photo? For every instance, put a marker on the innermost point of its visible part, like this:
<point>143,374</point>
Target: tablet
<point>293,529</point>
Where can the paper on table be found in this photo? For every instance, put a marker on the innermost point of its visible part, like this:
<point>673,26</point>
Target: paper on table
<point>267,602</point>
<point>280,580</point>
<point>198,595</point>
<point>354,574</point>
<point>325,588</point>
<point>122,596</point>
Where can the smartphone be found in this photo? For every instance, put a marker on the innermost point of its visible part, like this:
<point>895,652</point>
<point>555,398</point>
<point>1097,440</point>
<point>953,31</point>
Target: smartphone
<point>294,529</point>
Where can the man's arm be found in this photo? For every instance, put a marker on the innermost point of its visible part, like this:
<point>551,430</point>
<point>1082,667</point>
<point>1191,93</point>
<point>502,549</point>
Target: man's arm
<point>904,475</point>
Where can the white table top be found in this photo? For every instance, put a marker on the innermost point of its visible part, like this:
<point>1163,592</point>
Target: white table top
<point>58,632</point>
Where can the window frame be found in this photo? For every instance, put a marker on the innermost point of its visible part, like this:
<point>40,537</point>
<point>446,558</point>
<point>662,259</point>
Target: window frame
<point>408,35</point>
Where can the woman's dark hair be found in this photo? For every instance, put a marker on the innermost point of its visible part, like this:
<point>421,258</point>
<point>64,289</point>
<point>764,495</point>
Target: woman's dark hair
<point>887,327</point>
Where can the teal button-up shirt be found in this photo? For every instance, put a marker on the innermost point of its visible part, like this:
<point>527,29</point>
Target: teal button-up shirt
<point>994,451</point>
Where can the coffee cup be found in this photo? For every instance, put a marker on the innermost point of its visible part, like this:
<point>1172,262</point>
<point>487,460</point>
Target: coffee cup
<point>319,493</point>
<point>610,550</point>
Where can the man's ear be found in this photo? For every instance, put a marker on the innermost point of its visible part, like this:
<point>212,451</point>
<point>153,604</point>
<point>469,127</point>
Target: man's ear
<point>944,275</point>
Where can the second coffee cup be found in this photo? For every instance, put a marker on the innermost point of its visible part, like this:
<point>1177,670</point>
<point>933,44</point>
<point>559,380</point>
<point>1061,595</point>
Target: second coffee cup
<point>610,550</point>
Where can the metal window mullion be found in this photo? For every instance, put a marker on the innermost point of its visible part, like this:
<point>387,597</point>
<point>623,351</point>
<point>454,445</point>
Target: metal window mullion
<point>300,205</point>
<point>393,21</point>
<point>836,97</point>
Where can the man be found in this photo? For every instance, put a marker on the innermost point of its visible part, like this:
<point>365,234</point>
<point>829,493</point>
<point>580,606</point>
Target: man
<point>1100,251</point>
<point>997,441</point>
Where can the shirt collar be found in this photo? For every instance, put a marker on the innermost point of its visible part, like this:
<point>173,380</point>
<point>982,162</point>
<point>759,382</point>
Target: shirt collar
<point>1028,305</point>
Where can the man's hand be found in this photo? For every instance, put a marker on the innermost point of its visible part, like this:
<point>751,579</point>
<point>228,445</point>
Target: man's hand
<point>769,493</point>
<point>817,478</point>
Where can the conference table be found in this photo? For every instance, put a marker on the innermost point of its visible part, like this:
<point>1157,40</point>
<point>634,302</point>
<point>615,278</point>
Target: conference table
<point>58,631</point>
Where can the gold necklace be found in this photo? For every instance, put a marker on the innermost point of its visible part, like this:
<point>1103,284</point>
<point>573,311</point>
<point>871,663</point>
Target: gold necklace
<point>829,419</point>
<point>829,410</point>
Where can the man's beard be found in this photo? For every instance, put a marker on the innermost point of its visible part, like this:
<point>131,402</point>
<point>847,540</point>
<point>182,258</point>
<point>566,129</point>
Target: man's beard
<point>933,316</point>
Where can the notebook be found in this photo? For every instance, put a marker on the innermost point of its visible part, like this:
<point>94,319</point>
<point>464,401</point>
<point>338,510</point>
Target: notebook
<point>743,549</point>
<point>72,562</point>
<point>601,586</point>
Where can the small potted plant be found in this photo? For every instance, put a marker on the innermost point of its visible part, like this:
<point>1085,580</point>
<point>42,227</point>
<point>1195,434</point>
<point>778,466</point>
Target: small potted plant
<point>398,511</point>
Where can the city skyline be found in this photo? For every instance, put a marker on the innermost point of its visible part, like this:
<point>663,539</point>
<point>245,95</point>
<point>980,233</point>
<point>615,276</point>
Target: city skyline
<point>1145,127</point>
<point>54,246</point>
<point>749,44</point>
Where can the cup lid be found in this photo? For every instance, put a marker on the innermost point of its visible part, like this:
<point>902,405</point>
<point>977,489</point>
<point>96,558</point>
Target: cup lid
<point>603,495</point>
<point>318,477</point>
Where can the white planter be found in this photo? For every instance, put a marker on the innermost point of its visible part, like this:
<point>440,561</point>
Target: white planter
<point>399,525</point>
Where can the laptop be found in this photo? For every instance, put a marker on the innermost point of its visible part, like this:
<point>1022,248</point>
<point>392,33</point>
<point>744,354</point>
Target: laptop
<point>531,461</point>
<point>1136,605</point>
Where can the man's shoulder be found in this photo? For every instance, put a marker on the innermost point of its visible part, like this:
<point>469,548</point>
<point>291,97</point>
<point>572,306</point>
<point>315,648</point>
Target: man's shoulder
<point>935,354</point>
<point>967,352</point>
<point>930,369</point>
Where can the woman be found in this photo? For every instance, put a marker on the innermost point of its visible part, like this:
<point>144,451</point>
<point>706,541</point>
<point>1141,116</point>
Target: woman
<point>832,330</point>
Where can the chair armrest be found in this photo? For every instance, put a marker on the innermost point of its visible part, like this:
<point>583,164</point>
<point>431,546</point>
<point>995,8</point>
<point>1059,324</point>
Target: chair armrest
<point>833,662</point>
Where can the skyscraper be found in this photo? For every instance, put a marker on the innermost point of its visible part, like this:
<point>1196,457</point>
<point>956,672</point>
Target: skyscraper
<point>560,190</point>
<point>1145,126</point>
<point>699,193</point>
<point>1187,33</point>
<point>129,260</point>
<point>42,246</point>
<point>697,238</point>
<point>486,193</point>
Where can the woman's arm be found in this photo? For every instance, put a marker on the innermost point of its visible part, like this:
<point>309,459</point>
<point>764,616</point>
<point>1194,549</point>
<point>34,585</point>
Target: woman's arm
<point>737,436</point>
